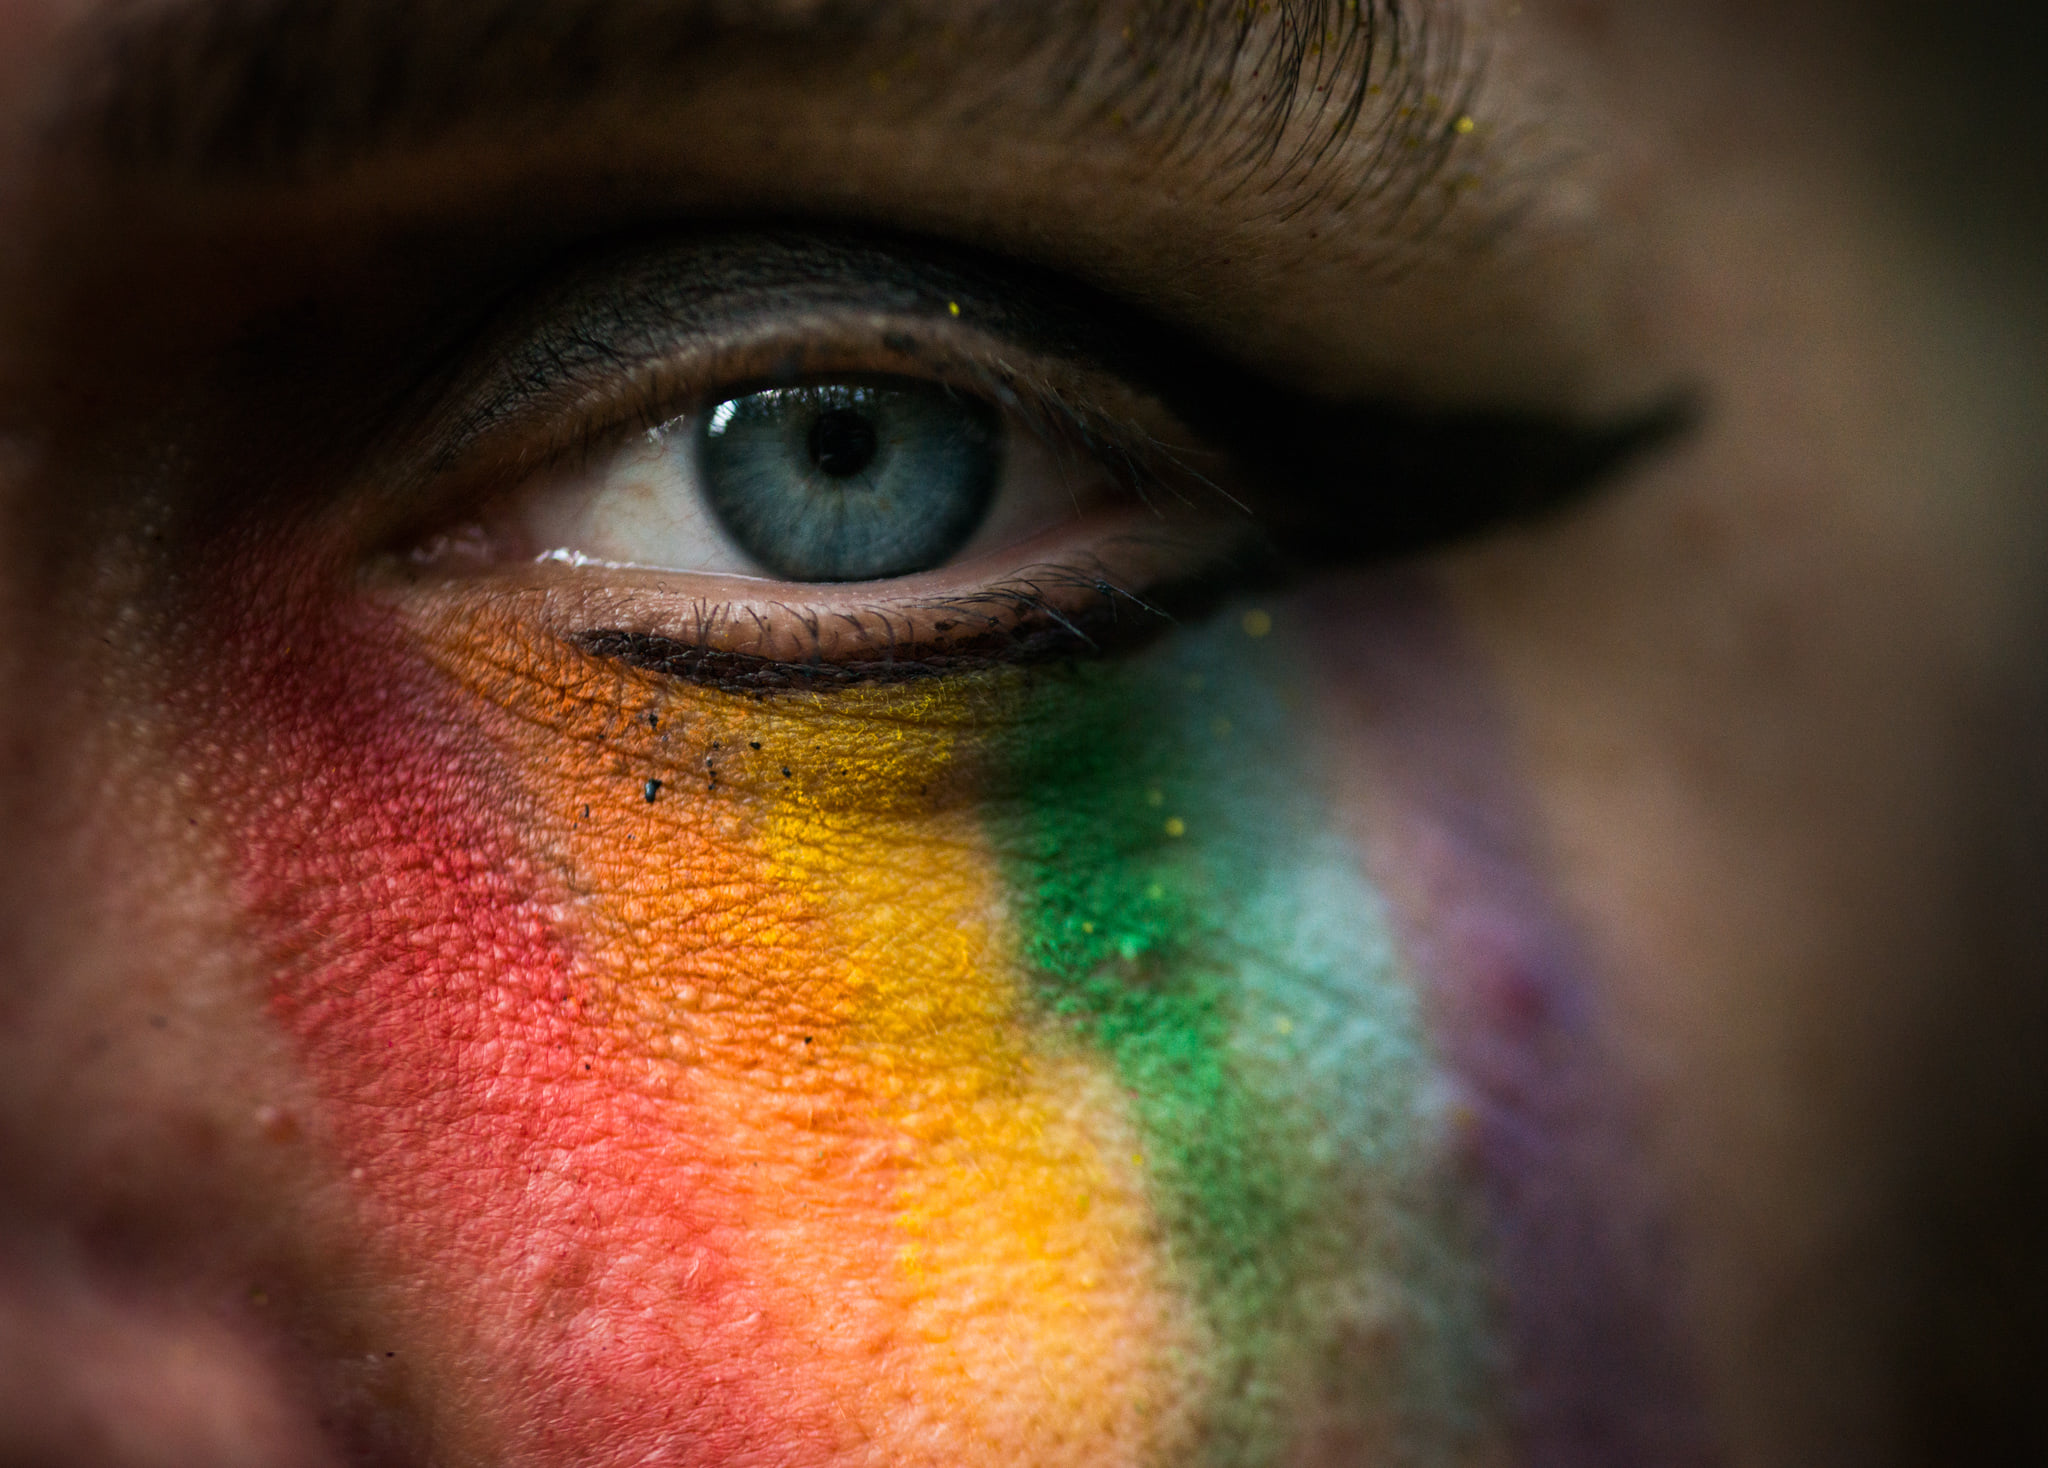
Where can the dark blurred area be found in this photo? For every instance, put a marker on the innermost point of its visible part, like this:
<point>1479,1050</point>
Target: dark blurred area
<point>1967,115</point>
<point>1963,116</point>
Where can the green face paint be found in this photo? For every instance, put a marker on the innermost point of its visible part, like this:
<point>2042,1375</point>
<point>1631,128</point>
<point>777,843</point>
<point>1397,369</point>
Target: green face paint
<point>1185,910</point>
<point>1015,1063</point>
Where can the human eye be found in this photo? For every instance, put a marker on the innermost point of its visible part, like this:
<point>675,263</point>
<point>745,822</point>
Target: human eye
<point>854,458</point>
<point>825,458</point>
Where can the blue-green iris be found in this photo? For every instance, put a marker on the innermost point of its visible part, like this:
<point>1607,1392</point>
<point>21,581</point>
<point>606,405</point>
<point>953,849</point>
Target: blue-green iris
<point>851,481</point>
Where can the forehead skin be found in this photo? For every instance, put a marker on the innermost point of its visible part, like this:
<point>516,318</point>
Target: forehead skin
<point>1773,711</point>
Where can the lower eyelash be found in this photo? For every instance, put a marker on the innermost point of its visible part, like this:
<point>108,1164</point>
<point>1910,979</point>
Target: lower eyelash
<point>1055,614</point>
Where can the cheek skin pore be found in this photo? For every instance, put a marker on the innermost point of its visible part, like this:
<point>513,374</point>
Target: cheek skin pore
<point>1005,1068</point>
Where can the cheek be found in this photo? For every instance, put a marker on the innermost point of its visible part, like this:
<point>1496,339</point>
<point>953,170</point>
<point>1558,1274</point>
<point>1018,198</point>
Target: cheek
<point>1592,1334</point>
<point>906,1080</point>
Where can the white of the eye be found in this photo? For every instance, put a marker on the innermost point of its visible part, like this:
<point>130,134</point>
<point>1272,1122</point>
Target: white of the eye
<point>643,506</point>
<point>640,507</point>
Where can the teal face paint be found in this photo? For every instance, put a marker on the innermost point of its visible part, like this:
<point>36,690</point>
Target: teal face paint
<point>1187,911</point>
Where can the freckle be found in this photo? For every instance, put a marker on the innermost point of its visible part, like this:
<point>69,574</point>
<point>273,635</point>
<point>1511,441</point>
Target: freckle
<point>651,790</point>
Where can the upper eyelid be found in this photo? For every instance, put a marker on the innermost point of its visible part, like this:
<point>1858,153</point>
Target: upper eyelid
<point>607,357</point>
<point>630,308</point>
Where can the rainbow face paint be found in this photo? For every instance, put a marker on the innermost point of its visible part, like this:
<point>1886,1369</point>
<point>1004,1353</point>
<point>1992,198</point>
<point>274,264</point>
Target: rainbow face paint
<point>1005,1067</point>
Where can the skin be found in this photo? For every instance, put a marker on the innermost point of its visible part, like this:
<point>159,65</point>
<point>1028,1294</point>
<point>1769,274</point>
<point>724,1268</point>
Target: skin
<point>1686,841</point>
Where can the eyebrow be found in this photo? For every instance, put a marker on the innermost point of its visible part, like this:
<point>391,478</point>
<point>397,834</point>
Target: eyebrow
<point>278,89</point>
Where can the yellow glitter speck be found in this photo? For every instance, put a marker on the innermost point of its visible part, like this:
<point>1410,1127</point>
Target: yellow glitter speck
<point>1155,798</point>
<point>1257,622</point>
<point>1464,125</point>
<point>952,308</point>
<point>1282,1025</point>
<point>1155,892</point>
<point>1087,927</point>
<point>1175,826</point>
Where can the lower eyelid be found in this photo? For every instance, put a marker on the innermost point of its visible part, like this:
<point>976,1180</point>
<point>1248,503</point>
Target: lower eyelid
<point>1112,581</point>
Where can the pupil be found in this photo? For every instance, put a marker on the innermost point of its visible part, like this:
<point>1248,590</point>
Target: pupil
<point>842,442</point>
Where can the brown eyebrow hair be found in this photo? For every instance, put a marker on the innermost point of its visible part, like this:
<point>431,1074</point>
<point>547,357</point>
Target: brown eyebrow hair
<point>267,89</point>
